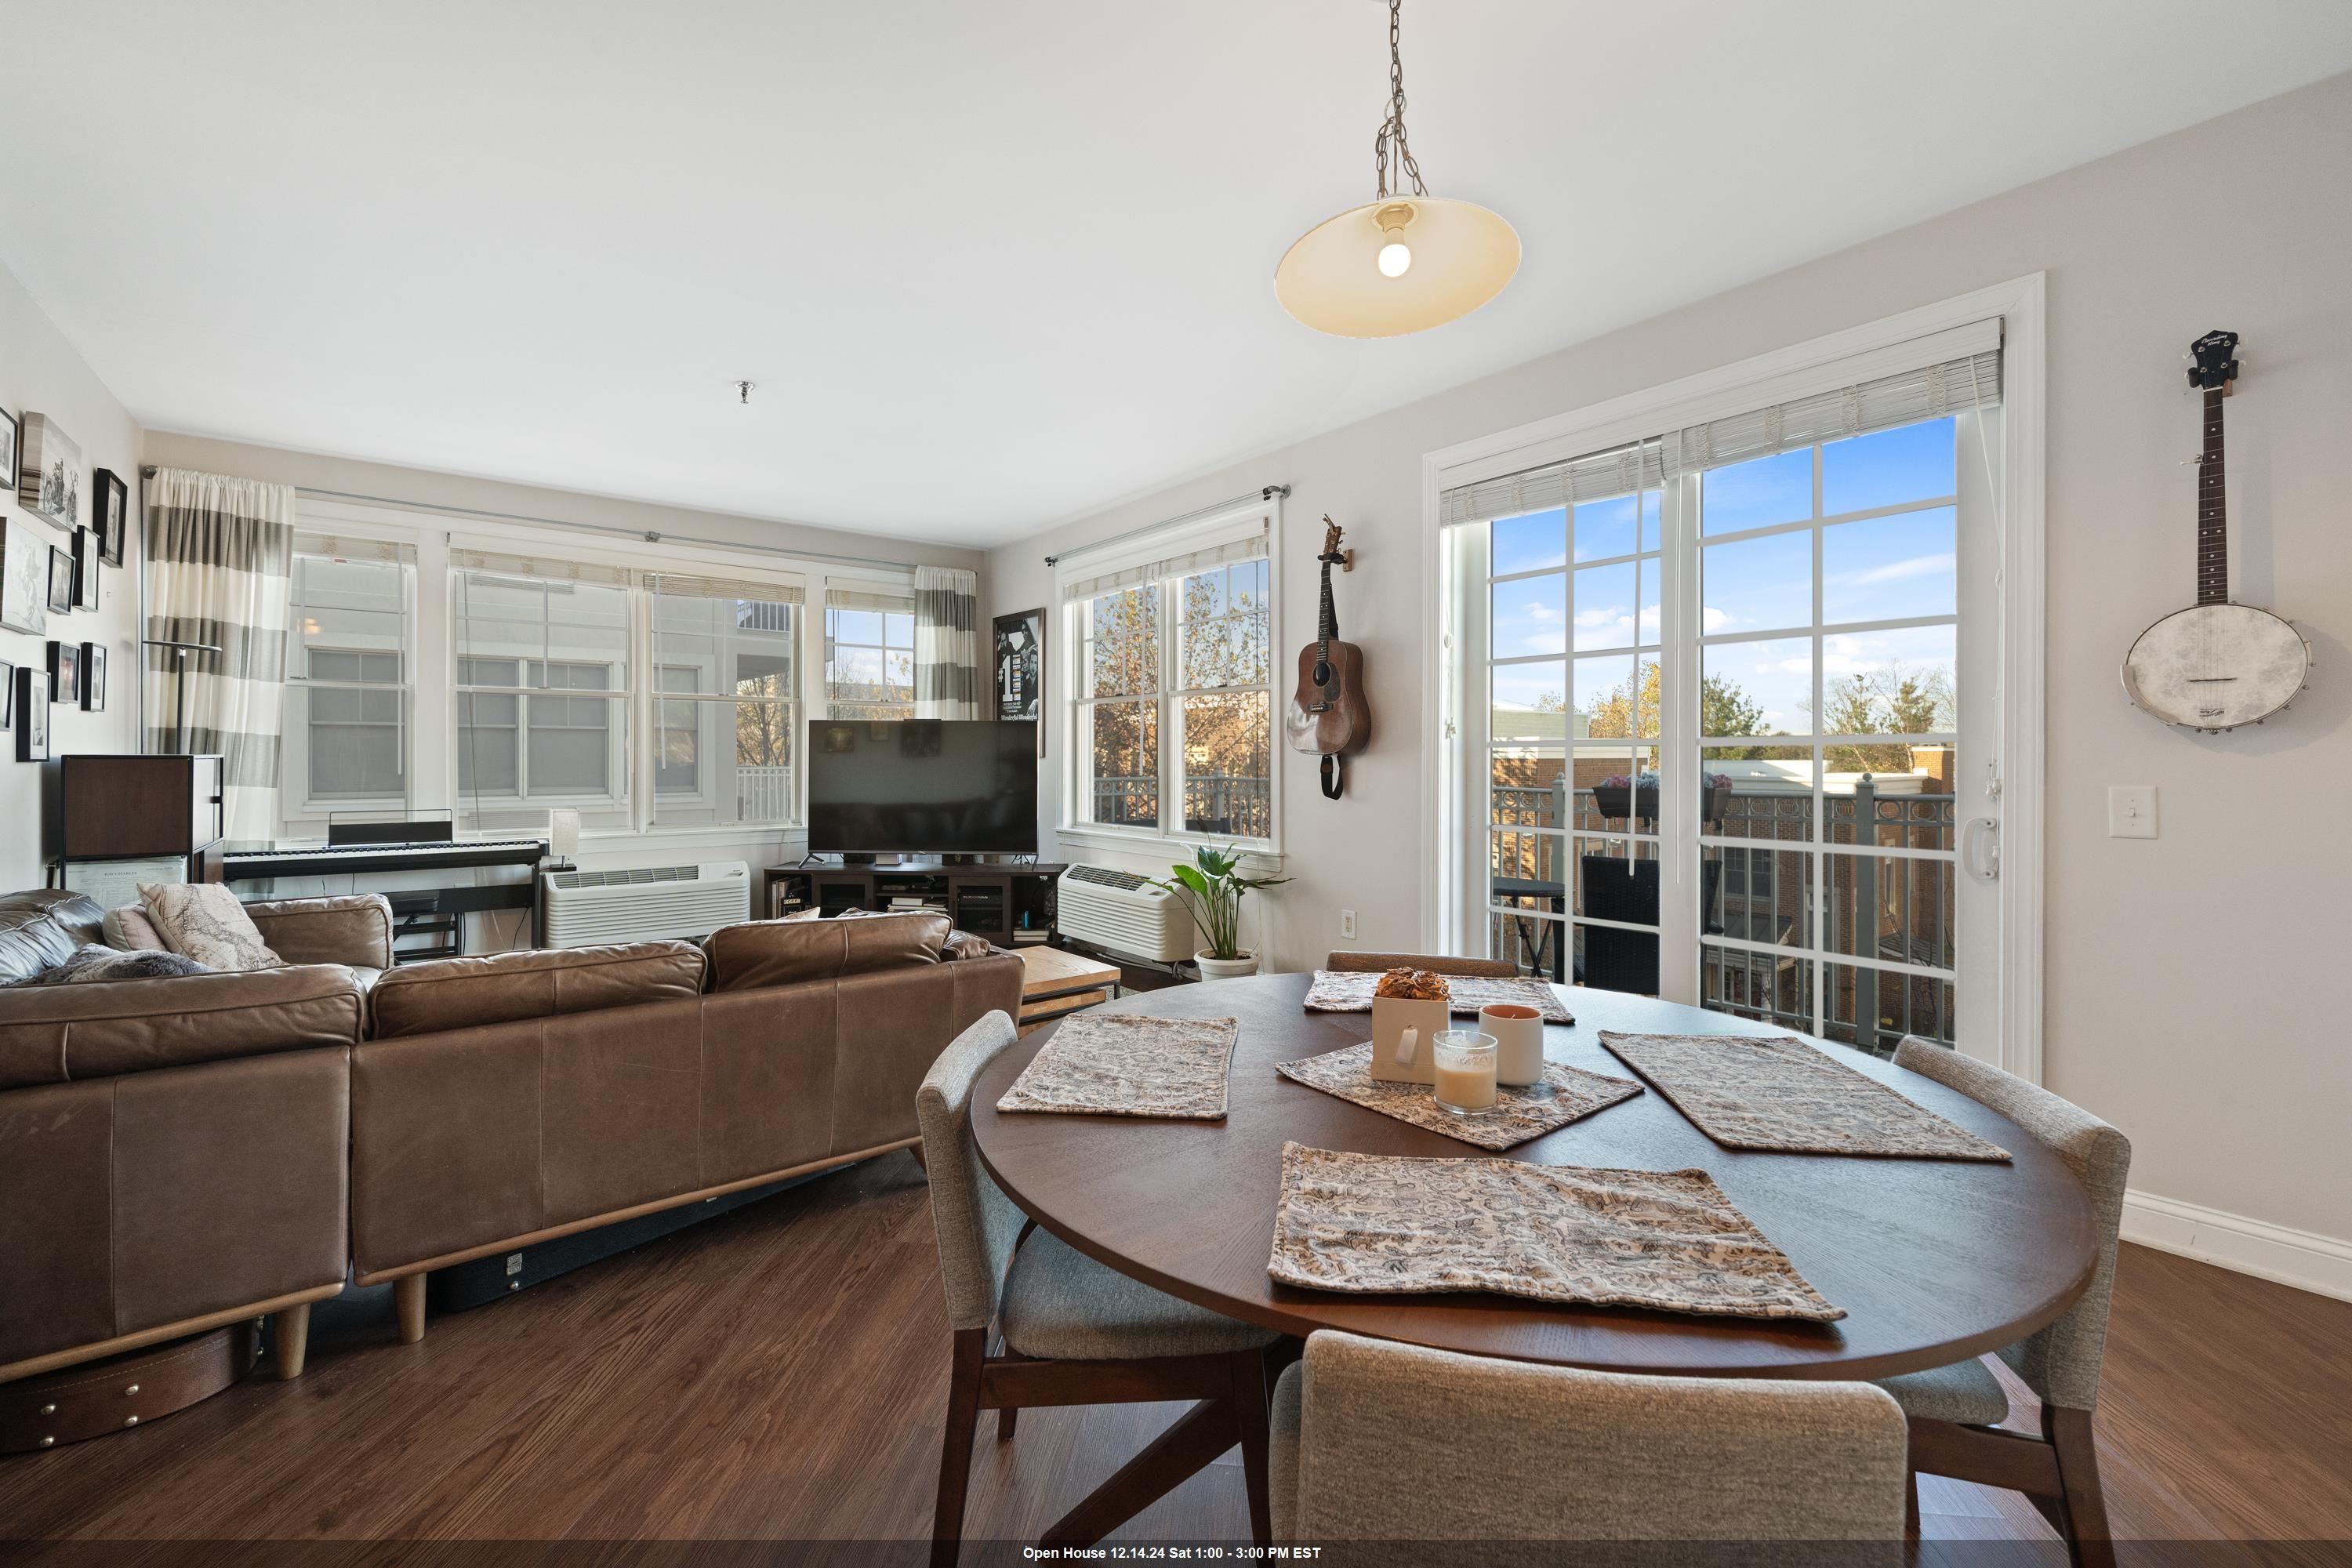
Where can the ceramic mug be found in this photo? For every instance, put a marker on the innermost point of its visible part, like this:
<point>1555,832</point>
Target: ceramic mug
<point>1518,1032</point>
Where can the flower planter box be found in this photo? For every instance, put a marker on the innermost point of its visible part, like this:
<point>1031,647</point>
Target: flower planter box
<point>1622,801</point>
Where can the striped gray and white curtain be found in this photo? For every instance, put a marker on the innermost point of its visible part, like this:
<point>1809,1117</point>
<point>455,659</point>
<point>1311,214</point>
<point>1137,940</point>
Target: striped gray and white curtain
<point>220,554</point>
<point>947,643</point>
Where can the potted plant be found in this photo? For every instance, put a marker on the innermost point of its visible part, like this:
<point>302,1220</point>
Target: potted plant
<point>1212,888</point>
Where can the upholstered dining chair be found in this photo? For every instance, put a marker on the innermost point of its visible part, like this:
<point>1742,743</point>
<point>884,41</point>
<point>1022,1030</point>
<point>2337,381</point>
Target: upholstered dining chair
<point>1379,1441</point>
<point>1350,962</point>
<point>1069,1331</point>
<point>1954,1410</point>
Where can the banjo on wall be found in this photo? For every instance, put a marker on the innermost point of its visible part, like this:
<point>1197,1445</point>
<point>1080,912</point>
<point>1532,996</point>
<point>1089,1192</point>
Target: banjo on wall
<point>2216,665</point>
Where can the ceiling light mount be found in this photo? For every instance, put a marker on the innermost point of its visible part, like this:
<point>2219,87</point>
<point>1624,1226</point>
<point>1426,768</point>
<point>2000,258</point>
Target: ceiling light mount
<point>743,389</point>
<point>1361,275</point>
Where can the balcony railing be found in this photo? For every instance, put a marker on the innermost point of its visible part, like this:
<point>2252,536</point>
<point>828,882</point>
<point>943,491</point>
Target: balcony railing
<point>1219,805</point>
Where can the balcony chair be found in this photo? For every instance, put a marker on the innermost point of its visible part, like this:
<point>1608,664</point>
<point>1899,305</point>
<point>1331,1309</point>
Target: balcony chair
<point>1069,1331</point>
<point>1954,1410</point>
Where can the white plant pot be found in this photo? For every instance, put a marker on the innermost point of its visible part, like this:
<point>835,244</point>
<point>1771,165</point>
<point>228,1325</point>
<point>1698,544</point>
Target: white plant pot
<point>1225,968</point>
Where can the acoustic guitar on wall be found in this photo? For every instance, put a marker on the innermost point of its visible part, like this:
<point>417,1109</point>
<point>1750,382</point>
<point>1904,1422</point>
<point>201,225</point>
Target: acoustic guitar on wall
<point>1329,715</point>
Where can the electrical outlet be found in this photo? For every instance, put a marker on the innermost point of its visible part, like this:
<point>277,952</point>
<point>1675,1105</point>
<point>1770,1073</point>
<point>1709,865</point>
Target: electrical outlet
<point>2131,811</point>
<point>1347,925</point>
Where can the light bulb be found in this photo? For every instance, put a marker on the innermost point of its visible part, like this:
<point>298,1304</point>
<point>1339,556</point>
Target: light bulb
<point>1395,257</point>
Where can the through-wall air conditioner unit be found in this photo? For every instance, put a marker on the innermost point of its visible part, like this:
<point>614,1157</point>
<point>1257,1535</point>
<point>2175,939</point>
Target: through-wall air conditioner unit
<point>1121,912</point>
<point>645,903</point>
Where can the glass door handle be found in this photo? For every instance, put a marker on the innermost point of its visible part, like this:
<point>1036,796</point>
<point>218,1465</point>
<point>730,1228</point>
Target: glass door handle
<point>1980,849</point>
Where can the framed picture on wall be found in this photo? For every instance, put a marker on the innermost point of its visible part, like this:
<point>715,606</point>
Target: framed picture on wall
<point>48,472</point>
<point>23,578</point>
<point>93,678</point>
<point>32,714</point>
<point>111,517</point>
<point>7,694</point>
<point>7,444</point>
<point>1020,669</point>
<point>86,568</point>
<point>61,580</point>
<point>64,674</point>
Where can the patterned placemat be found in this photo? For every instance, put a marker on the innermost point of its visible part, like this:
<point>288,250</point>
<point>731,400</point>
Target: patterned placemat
<point>1118,1064</point>
<point>1343,991</point>
<point>1518,1115</point>
<point>1776,1092</point>
<point>1667,1239</point>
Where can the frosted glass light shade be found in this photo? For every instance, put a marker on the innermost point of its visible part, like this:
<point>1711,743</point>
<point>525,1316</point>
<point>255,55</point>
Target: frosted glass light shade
<point>1331,279</point>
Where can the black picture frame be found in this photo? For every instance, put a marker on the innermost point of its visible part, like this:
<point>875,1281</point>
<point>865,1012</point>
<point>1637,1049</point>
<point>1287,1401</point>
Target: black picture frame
<point>7,694</point>
<point>61,580</point>
<point>87,559</point>
<point>1018,644</point>
<point>64,674</point>
<point>11,447</point>
<point>32,715</point>
<point>93,678</point>
<point>110,513</point>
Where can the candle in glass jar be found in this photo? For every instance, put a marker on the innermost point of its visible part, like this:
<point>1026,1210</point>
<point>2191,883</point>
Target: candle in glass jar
<point>1465,1060</point>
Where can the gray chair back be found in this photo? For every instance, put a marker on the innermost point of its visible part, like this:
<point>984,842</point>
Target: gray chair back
<point>1396,1442</point>
<point>1351,962</point>
<point>2059,1363</point>
<point>976,1224</point>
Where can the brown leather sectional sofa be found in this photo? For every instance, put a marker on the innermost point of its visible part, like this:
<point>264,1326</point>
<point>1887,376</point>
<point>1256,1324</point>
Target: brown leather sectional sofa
<point>182,1153</point>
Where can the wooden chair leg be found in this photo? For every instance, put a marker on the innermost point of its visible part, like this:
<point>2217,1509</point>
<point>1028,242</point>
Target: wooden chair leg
<point>1005,1420</point>
<point>1910,1502</point>
<point>916,1151</point>
<point>289,1332</point>
<point>955,1447</point>
<point>2069,1432</point>
<point>408,1297</point>
<point>1252,1416</point>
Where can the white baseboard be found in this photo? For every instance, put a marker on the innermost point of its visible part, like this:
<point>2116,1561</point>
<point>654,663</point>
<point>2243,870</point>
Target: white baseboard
<point>2302,1258</point>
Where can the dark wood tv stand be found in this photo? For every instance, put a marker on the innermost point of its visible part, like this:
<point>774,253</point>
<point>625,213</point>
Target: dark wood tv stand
<point>998,900</point>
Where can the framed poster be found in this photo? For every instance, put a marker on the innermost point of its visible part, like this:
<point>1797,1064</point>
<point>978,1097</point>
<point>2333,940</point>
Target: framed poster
<point>23,578</point>
<point>86,560</point>
<point>7,694</point>
<point>112,498</point>
<point>32,714</point>
<point>8,445</point>
<point>64,674</point>
<point>1020,669</point>
<point>93,678</point>
<point>48,472</point>
<point>61,580</point>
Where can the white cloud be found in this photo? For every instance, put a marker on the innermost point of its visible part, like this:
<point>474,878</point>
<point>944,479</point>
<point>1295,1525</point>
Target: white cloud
<point>1895,571</point>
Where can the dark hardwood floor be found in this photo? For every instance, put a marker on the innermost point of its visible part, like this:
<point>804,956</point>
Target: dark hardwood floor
<point>780,1372</point>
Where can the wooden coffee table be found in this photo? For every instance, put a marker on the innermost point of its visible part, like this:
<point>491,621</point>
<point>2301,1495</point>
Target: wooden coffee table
<point>1060,982</point>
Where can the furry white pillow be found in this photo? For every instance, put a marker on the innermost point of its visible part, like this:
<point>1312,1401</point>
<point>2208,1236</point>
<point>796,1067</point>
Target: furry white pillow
<point>128,930</point>
<point>204,922</point>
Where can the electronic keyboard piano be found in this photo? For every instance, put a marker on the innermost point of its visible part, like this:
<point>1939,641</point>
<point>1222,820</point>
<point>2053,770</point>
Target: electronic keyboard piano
<point>421,906</point>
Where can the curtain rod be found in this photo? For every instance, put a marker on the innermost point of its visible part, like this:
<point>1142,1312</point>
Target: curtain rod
<point>1267,493</point>
<point>649,536</point>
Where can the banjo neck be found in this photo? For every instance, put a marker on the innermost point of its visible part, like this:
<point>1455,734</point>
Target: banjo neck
<point>2212,523</point>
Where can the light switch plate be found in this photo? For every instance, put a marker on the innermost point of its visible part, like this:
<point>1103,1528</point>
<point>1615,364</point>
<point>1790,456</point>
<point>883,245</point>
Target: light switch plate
<point>2131,811</point>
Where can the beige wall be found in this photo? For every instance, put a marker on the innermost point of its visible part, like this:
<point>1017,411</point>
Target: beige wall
<point>2192,992</point>
<point>40,372</point>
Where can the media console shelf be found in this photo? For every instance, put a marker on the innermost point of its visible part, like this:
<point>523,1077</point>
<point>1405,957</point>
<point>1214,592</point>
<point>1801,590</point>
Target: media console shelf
<point>1007,904</point>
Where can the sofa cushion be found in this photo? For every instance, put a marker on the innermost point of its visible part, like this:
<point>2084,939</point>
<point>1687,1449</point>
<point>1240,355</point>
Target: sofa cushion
<point>354,929</point>
<point>41,927</point>
<point>204,920</point>
<point>499,988</point>
<point>787,953</point>
<point>57,1033</point>
<point>96,964</point>
<point>128,930</point>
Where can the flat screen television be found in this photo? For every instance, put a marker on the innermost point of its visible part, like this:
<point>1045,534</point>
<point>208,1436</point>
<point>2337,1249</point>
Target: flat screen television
<point>922,786</point>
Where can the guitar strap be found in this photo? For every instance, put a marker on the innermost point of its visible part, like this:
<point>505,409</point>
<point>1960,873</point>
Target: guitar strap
<point>1332,781</point>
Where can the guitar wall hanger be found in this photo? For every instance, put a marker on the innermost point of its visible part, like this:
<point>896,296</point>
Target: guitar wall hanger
<point>1329,715</point>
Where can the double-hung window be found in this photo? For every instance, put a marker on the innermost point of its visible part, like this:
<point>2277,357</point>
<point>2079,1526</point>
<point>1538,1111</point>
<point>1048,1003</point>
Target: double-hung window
<point>347,710</point>
<point>1170,693</point>
<point>869,654</point>
<point>725,697</point>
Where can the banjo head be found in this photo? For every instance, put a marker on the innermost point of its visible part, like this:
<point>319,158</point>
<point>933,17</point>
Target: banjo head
<point>2216,667</point>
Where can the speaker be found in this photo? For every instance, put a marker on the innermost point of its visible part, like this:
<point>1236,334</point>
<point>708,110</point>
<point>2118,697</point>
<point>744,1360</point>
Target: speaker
<point>563,834</point>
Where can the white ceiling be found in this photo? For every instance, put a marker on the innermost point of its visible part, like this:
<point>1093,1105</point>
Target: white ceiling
<point>993,265</point>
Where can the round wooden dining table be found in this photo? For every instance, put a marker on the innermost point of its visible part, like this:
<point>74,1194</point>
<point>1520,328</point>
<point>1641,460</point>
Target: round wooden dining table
<point>1933,1260</point>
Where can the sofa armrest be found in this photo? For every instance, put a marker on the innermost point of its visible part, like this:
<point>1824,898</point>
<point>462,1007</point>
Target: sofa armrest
<point>59,1034</point>
<point>354,930</point>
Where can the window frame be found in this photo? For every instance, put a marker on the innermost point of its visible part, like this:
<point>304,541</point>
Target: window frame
<point>298,802</point>
<point>1230,525</point>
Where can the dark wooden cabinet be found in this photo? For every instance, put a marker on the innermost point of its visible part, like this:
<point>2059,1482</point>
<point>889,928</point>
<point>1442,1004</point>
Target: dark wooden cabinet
<point>999,902</point>
<point>97,806</point>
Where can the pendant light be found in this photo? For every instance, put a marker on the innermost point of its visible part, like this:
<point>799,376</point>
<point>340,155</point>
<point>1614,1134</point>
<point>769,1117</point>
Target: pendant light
<point>1404,262</point>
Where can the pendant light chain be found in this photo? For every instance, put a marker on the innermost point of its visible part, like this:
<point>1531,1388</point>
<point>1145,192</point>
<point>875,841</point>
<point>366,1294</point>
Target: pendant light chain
<point>1391,131</point>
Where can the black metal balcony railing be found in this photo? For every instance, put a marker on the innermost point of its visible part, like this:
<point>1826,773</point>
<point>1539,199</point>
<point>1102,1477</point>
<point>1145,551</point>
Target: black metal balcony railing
<point>1896,908</point>
<point>1220,806</point>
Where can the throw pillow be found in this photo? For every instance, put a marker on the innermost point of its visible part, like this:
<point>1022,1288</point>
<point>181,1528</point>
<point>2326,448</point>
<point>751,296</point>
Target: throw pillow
<point>128,930</point>
<point>93,963</point>
<point>204,922</point>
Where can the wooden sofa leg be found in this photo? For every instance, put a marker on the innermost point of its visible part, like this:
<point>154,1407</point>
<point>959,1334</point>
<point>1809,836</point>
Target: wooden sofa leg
<point>2085,1508</point>
<point>408,1296</point>
<point>291,1332</point>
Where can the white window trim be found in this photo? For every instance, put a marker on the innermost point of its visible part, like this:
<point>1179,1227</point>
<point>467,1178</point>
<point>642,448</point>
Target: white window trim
<point>432,536</point>
<point>1237,522</point>
<point>1796,371</point>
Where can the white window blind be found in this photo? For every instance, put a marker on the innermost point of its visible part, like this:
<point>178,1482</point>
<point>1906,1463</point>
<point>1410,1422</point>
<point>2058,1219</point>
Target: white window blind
<point>679,586</point>
<point>344,547</point>
<point>889,603</point>
<point>1251,546</point>
<point>1963,372</point>
<point>547,568</point>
